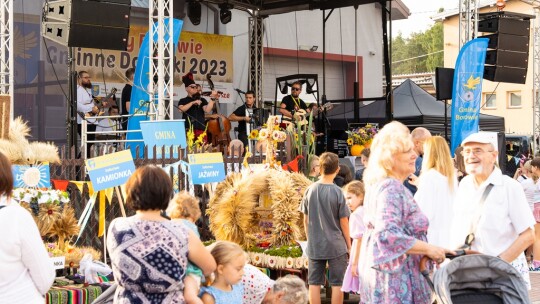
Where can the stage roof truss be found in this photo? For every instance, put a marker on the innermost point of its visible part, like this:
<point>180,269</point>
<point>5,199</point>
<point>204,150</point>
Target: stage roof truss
<point>271,7</point>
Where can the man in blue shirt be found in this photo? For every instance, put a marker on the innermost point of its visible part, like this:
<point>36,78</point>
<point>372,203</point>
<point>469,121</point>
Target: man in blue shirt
<point>419,136</point>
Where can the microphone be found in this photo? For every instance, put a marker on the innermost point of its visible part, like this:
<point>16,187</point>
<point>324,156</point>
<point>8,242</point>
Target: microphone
<point>240,91</point>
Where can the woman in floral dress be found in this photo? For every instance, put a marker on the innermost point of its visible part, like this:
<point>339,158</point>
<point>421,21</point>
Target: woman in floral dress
<point>395,236</point>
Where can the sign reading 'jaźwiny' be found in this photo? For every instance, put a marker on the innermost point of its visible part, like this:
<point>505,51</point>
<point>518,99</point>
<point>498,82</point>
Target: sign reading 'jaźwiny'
<point>206,168</point>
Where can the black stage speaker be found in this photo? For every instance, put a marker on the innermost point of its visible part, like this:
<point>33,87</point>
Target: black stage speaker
<point>507,59</point>
<point>87,23</point>
<point>100,25</point>
<point>444,81</point>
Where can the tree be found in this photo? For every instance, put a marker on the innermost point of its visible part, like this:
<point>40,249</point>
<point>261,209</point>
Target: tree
<point>421,52</point>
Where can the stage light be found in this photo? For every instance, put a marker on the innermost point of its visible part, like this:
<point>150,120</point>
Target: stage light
<point>194,12</point>
<point>225,14</point>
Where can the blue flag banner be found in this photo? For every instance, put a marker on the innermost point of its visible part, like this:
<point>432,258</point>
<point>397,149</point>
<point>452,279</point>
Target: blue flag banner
<point>467,90</point>
<point>165,133</point>
<point>139,95</point>
<point>35,176</point>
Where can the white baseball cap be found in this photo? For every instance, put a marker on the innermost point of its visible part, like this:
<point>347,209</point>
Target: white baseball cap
<point>482,138</point>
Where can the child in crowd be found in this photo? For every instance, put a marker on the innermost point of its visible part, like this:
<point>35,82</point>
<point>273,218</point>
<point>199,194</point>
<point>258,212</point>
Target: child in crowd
<point>326,223</point>
<point>364,158</point>
<point>227,287</point>
<point>354,195</point>
<point>185,208</point>
<point>289,289</point>
<point>314,169</point>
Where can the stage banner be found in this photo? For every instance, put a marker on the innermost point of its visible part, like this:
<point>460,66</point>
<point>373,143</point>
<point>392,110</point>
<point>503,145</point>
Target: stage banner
<point>35,176</point>
<point>198,53</point>
<point>467,90</point>
<point>165,133</point>
<point>110,170</point>
<point>206,168</point>
<point>139,103</point>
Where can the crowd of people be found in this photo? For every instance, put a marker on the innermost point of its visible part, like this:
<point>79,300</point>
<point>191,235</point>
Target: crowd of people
<point>414,199</point>
<point>366,237</point>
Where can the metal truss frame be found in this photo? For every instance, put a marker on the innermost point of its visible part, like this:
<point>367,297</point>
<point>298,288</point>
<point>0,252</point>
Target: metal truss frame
<point>536,78</point>
<point>6,51</point>
<point>161,50</point>
<point>468,21</point>
<point>256,34</point>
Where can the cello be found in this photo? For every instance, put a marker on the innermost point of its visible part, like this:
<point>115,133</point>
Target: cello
<point>220,127</point>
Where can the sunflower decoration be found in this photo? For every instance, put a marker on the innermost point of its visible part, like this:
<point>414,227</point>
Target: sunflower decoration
<point>254,134</point>
<point>263,134</point>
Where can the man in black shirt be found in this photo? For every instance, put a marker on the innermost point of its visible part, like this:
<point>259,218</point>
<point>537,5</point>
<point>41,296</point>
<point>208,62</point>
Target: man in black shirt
<point>126,96</point>
<point>194,107</point>
<point>292,103</point>
<point>243,118</point>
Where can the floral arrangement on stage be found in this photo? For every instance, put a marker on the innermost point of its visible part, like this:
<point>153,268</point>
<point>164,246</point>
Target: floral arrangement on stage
<point>362,136</point>
<point>271,135</point>
<point>197,145</point>
<point>303,138</point>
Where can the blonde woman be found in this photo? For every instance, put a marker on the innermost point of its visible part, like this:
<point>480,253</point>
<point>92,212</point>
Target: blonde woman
<point>437,187</point>
<point>395,237</point>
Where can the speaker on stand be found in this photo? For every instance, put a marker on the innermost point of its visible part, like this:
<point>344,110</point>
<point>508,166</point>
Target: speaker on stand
<point>508,48</point>
<point>444,82</point>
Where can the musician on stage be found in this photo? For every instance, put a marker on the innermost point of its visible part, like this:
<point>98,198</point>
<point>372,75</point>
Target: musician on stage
<point>86,107</point>
<point>194,107</point>
<point>241,115</point>
<point>292,103</point>
<point>126,96</point>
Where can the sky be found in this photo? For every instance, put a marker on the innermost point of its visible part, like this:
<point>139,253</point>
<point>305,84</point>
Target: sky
<point>421,11</point>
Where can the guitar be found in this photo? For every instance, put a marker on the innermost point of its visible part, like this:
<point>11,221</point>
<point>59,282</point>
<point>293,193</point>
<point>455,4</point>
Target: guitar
<point>98,102</point>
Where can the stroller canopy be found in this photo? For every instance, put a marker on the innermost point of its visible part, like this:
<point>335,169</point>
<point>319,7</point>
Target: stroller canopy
<point>482,273</point>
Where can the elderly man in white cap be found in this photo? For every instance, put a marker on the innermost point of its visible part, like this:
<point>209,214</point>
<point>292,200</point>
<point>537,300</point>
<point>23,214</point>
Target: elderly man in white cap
<point>492,207</point>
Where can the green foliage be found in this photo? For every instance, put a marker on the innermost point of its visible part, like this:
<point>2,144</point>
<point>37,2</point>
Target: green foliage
<point>284,251</point>
<point>410,55</point>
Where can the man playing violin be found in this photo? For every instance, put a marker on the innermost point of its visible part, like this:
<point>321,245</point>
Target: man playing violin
<point>194,107</point>
<point>292,103</point>
<point>243,119</point>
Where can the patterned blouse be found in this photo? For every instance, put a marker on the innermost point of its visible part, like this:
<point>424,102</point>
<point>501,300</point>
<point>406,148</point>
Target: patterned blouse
<point>148,259</point>
<point>393,224</point>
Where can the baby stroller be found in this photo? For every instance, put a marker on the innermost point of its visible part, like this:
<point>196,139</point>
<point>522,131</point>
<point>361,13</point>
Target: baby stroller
<point>477,278</point>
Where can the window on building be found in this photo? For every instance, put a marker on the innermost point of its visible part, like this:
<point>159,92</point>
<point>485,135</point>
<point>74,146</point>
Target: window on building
<point>490,101</point>
<point>514,99</point>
